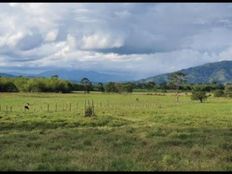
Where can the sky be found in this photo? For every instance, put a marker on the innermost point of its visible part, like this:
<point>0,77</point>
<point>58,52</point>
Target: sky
<point>143,39</point>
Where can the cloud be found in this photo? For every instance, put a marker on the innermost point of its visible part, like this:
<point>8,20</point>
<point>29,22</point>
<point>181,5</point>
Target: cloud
<point>101,41</point>
<point>11,40</point>
<point>143,39</point>
<point>51,35</point>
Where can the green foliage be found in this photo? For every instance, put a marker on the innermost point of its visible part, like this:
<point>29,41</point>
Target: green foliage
<point>176,79</point>
<point>7,85</point>
<point>228,90</point>
<point>89,109</point>
<point>23,84</point>
<point>219,93</point>
<point>118,87</point>
<point>77,87</point>
<point>36,85</point>
<point>87,84</point>
<point>54,84</point>
<point>128,87</point>
<point>150,85</point>
<point>100,87</point>
<point>111,87</point>
<point>198,94</point>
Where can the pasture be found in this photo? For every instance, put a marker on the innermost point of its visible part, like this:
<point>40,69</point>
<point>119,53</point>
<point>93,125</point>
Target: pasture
<point>150,133</point>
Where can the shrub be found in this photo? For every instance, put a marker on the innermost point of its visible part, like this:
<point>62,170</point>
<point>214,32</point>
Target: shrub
<point>7,85</point>
<point>228,91</point>
<point>198,95</point>
<point>111,87</point>
<point>218,93</point>
<point>89,109</point>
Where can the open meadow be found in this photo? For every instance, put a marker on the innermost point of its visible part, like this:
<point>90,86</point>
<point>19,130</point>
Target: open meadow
<point>130,132</point>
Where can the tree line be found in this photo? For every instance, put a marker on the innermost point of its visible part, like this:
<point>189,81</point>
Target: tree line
<point>175,82</point>
<point>24,84</point>
<point>54,84</point>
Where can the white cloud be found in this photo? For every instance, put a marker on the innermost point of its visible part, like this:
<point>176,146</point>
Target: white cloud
<point>51,36</point>
<point>226,54</point>
<point>141,38</point>
<point>11,39</point>
<point>101,41</point>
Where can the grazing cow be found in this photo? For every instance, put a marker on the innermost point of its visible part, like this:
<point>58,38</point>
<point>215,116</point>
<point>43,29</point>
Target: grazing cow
<point>26,106</point>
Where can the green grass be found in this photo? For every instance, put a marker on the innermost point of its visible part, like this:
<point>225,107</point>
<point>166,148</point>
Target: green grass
<point>152,134</point>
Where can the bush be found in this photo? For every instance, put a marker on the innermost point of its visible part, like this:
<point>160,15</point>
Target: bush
<point>228,91</point>
<point>111,87</point>
<point>7,85</point>
<point>199,95</point>
<point>34,85</point>
<point>89,111</point>
<point>218,93</point>
<point>119,87</point>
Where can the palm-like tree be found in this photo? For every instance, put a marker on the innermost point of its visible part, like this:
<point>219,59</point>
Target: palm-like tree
<point>177,79</point>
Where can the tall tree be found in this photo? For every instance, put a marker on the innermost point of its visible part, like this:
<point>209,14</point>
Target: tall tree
<point>176,80</point>
<point>100,87</point>
<point>86,84</point>
<point>55,76</point>
<point>129,87</point>
<point>111,87</point>
<point>150,85</point>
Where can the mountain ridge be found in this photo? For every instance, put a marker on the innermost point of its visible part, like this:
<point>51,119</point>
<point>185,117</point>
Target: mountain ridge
<point>220,72</point>
<point>6,75</point>
<point>75,75</point>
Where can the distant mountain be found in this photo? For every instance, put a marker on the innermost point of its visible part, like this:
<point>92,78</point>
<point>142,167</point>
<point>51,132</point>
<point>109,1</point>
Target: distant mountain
<point>219,71</point>
<point>77,75</point>
<point>6,75</point>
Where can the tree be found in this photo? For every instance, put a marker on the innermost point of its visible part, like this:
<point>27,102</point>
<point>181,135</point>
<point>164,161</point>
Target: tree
<point>55,76</point>
<point>21,83</point>
<point>6,85</point>
<point>150,85</point>
<point>86,84</point>
<point>163,86</point>
<point>199,95</point>
<point>36,85</point>
<point>100,87</point>
<point>76,87</point>
<point>111,87</point>
<point>218,93</point>
<point>128,87</point>
<point>228,90</point>
<point>119,87</point>
<point>176,80</point>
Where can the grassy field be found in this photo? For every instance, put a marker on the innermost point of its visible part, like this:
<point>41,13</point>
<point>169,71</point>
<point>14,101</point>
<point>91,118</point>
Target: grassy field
<point>154,133</point>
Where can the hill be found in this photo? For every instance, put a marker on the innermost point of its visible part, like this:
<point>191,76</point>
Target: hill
<point>6,75</point>
<point>220,72</point>
<point>77,75</point>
